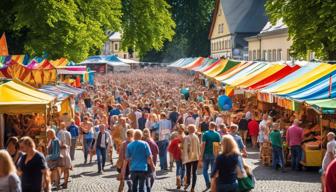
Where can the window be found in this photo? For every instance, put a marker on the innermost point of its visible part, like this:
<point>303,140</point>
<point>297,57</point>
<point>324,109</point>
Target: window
<point>269,55</point>
<point>279,55</point>
<point>125,56</point>
<point>116,46</point>
<point>219,12</point>
<point>226,44</point>
<point>223,44</point>
<point>264,56</point>
<point>274,55</point>
<point>250,55</point>
<point>229,44</point>
<point>258,54</point>
<point>254,55</point>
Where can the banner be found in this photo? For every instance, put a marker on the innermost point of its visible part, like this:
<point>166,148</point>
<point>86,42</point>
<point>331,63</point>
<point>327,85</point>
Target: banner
<point>3,45</point>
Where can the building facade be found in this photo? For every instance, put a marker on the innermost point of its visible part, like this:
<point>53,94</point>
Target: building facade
<point>232,22</point>
<point>113,47</point>
<point>271,44</point>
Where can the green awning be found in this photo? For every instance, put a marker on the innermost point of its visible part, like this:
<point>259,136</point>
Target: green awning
<point>326,106</point>
<point>228,66</point>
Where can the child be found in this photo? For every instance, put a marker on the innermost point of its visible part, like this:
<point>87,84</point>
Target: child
<point>277,156</point>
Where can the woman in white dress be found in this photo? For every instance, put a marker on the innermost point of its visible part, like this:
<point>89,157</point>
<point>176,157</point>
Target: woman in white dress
<point>64,137</point>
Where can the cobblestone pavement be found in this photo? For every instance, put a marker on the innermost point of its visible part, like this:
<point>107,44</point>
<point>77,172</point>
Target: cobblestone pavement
<point>85,178</point>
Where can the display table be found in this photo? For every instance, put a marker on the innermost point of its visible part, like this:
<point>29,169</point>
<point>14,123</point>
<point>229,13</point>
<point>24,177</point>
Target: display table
<point>312,158</point>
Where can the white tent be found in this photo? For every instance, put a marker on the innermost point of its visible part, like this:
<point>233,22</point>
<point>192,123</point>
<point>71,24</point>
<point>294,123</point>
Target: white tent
<point>119,66</point>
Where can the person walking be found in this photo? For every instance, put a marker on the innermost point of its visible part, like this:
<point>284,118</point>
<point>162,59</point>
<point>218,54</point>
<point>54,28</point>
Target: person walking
<point>73,129</point>
<point>139,156</point>
<point>253,130</point>
<point>330,177</point>
<point>103,142</point>
<point>87,130</point>
<point>210,140</point>
<point>329,156</point>
<point>165,127</point>
<point>175,148</point>
<point>155,151</point>
<point>243,126</point>
<point>53,158</point>
<point>224,175</point>
<point>9,181</point>
<point>294,137</point>
<point>64,137</point>
<point>191,154</point>
<point>238,139</point>
<point>122,163</point>
<point>13,148</point>
<point>277,155</point>
<point>32,167</point>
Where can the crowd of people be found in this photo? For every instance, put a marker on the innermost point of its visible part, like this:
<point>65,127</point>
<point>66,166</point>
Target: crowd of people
<point>153,117</point>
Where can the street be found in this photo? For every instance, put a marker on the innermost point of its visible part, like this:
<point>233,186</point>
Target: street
<point>85,178</point>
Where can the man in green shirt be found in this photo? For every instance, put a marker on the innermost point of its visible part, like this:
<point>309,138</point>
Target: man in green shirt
<point>277,156</point>
<point>209,139</point>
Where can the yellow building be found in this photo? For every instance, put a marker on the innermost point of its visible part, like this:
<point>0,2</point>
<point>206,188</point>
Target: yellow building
<point>232,22</point>
<point>113,47</point>
<point>271,44</point>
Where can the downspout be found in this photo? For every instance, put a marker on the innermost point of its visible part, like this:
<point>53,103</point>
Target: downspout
<point>259,38</point>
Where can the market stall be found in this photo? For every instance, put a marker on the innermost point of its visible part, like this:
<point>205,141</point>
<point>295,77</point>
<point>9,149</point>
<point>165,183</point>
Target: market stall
<point>23,111</point>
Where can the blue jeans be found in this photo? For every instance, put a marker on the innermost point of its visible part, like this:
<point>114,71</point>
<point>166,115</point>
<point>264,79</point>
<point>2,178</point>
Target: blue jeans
<point>163,145</point>
<point>138,179</point>
<point>296,156</point>
<point>227,187</point>
<point>208,160</point>
<point>101,157</point>
<point>180,169</point>
<point>87,145</point>
<point>277,157</point>
<point>149,181</point>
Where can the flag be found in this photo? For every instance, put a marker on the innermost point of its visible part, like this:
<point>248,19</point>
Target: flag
<point>3,45</point>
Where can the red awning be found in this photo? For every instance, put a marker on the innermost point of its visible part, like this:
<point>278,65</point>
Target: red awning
<point>275,77</point>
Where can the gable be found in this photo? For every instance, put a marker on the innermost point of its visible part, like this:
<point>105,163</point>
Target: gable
<point>219,26</point>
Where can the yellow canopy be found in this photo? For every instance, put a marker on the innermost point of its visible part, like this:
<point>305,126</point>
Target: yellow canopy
<point>16,97</point>
<point>252,79</point>
<point>61,62</point>
<point>249,75</point>
<point>216,69</point>
<point>299,82</point>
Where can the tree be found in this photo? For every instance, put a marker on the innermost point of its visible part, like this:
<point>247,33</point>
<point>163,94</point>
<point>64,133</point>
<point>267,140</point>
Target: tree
<point>146,24</point>
<point>193,20</point>
<point>76,28</point>
<point>311,25</point>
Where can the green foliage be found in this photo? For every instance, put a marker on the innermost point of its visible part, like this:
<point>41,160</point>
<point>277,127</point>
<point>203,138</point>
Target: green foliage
<point>146,24</point>
<point>193,20</point>
<point>311,25</point>
<point>76,28</point>
<point>72,28</point>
